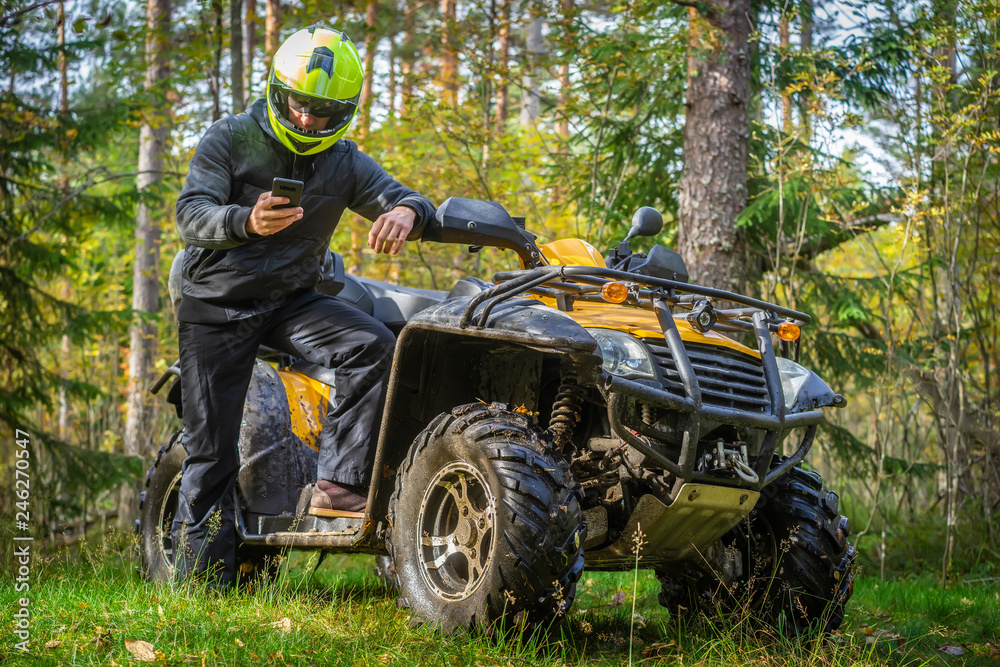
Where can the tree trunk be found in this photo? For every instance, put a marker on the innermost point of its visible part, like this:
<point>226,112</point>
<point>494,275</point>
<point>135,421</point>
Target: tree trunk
<point>145,275</point>
<point>503,66</point>
<point>215,73</point>
<point>236,53</point>
<point>65,347</point>
<point>249,44</point>
<point>449,53</point>
<point>564,83</point>
<point>63,66</point>
<point>786,100</point>
<point>408,56</point>
<point>947,226</point>
<point>530,99</point>
<point>713,188</point>
<point>371,45</point>
<point>805,45</point>
<point>393,83</point>
<point>272,30</point>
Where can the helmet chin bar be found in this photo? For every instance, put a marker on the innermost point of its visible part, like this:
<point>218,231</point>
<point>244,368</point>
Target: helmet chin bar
<point>307,142</point>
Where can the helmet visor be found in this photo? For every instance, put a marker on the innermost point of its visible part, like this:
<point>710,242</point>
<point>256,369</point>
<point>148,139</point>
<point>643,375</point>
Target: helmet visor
<point>339,112</point>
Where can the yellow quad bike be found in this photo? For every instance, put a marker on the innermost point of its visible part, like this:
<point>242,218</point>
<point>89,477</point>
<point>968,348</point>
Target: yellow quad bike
<point>576,413</point>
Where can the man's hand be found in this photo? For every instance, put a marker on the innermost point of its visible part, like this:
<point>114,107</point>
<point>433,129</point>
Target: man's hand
<point>391,229</point>
<point>266,220</point>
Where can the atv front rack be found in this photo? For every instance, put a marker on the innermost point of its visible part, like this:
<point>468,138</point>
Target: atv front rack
<point>563,283</point>
<point>567,284</point>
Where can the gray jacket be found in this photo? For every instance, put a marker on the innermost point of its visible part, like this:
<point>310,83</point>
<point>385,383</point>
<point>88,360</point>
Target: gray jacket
<point>229,274</point>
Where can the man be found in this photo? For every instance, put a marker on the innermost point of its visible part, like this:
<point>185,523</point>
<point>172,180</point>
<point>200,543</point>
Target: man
<point>249,279</point>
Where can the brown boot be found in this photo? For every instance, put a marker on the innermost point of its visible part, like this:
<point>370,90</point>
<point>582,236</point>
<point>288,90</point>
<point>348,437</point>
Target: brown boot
<point>338,500</point>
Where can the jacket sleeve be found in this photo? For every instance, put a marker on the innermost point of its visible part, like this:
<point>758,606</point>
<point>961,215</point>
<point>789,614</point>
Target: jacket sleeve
<point>204,216</point>
<point>376,192</point>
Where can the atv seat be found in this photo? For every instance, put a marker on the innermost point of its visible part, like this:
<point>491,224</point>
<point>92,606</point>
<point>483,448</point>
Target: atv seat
<point>393,305</point>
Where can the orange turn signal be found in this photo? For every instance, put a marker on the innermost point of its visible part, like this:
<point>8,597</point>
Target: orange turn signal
<point>788,331</point>
<point>614,292</point>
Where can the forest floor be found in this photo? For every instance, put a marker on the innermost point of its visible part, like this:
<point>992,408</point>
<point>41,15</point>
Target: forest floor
<point>94,608</point>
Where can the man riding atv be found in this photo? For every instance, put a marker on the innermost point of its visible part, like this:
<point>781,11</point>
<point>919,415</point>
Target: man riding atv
<point>250,270</point>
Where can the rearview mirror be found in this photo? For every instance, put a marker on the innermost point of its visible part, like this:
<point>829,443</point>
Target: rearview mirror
<point>647,221</point>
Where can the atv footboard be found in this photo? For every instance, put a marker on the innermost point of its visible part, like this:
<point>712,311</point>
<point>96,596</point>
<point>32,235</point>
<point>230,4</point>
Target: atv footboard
<point>684,392</point>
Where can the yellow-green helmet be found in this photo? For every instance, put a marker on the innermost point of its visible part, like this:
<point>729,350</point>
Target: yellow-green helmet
<point>319,70</point>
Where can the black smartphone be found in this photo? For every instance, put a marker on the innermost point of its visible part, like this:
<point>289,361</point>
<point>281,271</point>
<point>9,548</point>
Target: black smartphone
<point>285,187</point>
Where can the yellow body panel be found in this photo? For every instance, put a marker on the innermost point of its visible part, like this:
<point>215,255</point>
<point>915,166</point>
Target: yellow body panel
<point>640,323</point>
<point>308,402</point>
<point>571,252</point>
<point>643,324</point>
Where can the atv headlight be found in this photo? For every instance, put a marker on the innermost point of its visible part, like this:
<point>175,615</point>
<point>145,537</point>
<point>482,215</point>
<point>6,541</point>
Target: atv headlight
<point>793,378</point>
<point>803,389</point>
<point>623,355</point>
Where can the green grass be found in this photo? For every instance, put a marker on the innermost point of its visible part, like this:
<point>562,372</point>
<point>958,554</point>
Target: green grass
<point>85,607</point>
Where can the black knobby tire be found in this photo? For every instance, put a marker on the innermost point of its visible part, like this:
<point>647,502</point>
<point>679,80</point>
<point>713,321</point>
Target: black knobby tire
<point>798,537</point>
<point>157,506</point>
<point>485,521</point>
<point>797,567</point>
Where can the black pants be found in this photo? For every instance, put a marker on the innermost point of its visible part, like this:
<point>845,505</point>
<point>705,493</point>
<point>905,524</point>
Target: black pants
<point>216,365</point>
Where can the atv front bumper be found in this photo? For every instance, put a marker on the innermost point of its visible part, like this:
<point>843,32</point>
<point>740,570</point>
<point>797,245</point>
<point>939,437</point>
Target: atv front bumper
<point>684,393</point>
<point>774,421</point>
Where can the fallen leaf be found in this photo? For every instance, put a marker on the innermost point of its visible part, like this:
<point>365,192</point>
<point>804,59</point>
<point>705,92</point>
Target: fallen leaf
<point>52,643</point>
<point>994,650</point>
<point>239,643</point>
<point>142,651</point>
<point>877,634</point>
<point>951,650</point>
<point>617,599</point>
<point>285,624</point>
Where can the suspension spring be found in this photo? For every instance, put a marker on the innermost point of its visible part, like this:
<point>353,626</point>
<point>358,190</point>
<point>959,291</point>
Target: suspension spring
<point>566,410</point>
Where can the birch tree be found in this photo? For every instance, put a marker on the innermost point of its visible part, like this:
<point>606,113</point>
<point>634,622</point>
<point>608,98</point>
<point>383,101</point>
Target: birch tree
<point>153,138</point>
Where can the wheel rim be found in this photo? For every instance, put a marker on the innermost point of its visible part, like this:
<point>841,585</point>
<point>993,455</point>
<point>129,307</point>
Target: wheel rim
<point>456,527</point>
<point>168,509</point>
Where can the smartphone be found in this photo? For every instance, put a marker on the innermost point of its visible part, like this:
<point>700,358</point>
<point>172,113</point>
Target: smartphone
<point>285,187</point>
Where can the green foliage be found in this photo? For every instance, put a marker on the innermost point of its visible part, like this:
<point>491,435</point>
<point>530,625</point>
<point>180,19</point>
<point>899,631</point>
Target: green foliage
<point>54,187</point>
<point>906,540</point>
<point>626,125</point>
